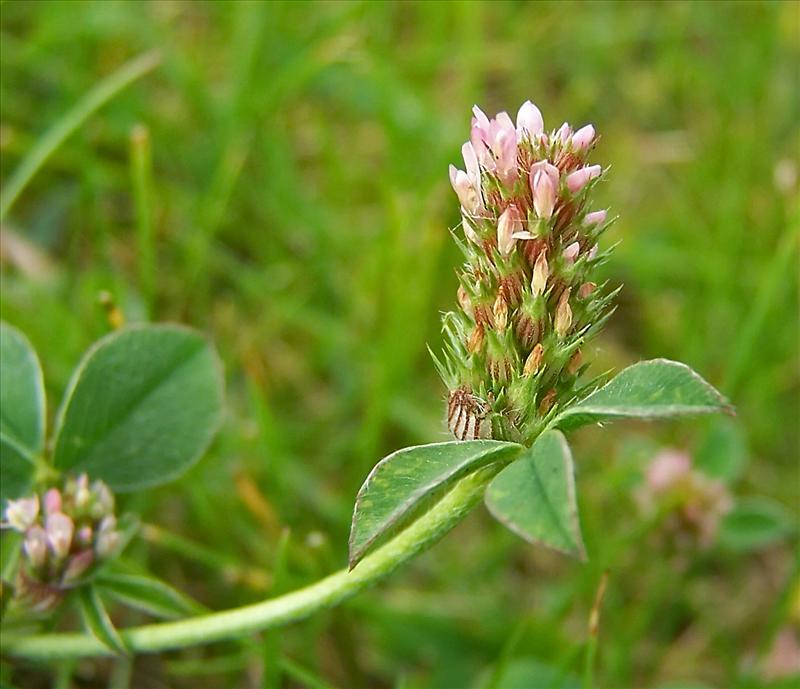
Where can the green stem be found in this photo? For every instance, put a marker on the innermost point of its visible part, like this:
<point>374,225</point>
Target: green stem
<point>291,607</point>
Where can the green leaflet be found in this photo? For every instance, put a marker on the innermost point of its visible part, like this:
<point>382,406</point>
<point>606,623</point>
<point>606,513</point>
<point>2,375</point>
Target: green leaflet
<point>148,594</point>
<point>535,496</point>
<point>141,408</point>
<point>401,480</point>
<point>648,390</point>
<point>22,412</point>
<point>97,622</point>
<point>755,523</point>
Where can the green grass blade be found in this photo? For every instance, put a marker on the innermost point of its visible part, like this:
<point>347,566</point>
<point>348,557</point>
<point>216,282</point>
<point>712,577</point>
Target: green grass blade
<point>70,121</point>
<point>141,163</point>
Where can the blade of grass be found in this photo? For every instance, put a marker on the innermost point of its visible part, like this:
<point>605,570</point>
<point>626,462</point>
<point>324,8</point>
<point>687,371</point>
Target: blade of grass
<point>272,638</point>
<point>142,179</point>
<point>763,302</point>
<point>70,121</point>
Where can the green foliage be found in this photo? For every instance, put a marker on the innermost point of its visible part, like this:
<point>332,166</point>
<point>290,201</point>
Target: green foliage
<point>141,407</point>
<point>531,673</point>
<point>147,594</point>
<point>647,390</point>
<point>535,496</point>
<point>723,451</point>
<point>22,412</point>
<point>402,480</point>
<point>96,620</point>
<point>755,523</point>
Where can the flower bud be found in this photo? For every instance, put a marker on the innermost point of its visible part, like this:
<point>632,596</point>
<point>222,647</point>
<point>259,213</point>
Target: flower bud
<point>580,178</point>
<point>479,119</point>
<point>544,187</point>
<point>534,360</point>
<point>475,340</point>
<point>564,133</point>
<point>563,320</point>
<point>82,493</point>
<point>509,223</point>
<point>78,564</point>
<point>500,313</point>
<point>35,546</point>
<point>469,231</point>
<point>464,301</point>
<point>471,164</point>
<point>575,362</point>
<point>529,121</point>
<point>571,252</point>
<point>59,529</point>
<point>52,501</point>
<point>495,144</point>
<point>541,272</point>
<point>583,138</point>
<point>108,539</point>
<point>595,218</point>
<point>22,513</point>
<point>84,536</point>
<point>464,189</point>
<point>586,289</point>
<point>547,401</point>
<point>103,500</point>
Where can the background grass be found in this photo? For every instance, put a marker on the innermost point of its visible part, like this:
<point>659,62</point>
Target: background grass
<point>280,181</point>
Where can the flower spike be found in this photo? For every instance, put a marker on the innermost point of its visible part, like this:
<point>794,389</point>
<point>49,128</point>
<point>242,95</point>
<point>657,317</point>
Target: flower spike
<point>527,298</point>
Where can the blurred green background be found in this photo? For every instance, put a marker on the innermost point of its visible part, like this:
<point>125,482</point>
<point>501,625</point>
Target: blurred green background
<point>295,205</point>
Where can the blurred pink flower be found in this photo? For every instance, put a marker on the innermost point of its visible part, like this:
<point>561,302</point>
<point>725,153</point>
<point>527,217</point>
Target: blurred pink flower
<point>666,469</point>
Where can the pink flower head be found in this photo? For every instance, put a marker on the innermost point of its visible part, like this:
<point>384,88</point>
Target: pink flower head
<point>583,138</point>
<point>510,222</point>
<point>666,469</point>
<point>595,218</point>
<point>495,144</point>
<point>580,178</point>
<point>544,187</point>
<point>571,252</point>
<point>529,121</point>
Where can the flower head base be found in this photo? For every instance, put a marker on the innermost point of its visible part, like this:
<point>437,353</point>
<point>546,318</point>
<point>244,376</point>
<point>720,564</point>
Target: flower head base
<point>75,531</point>
<point>527,302</point>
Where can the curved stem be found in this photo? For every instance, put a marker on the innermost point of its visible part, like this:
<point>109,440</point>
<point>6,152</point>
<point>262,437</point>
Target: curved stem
<point>428,529</point>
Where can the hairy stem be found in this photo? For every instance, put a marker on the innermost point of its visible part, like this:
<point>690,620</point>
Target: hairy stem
<point>291,607</point>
